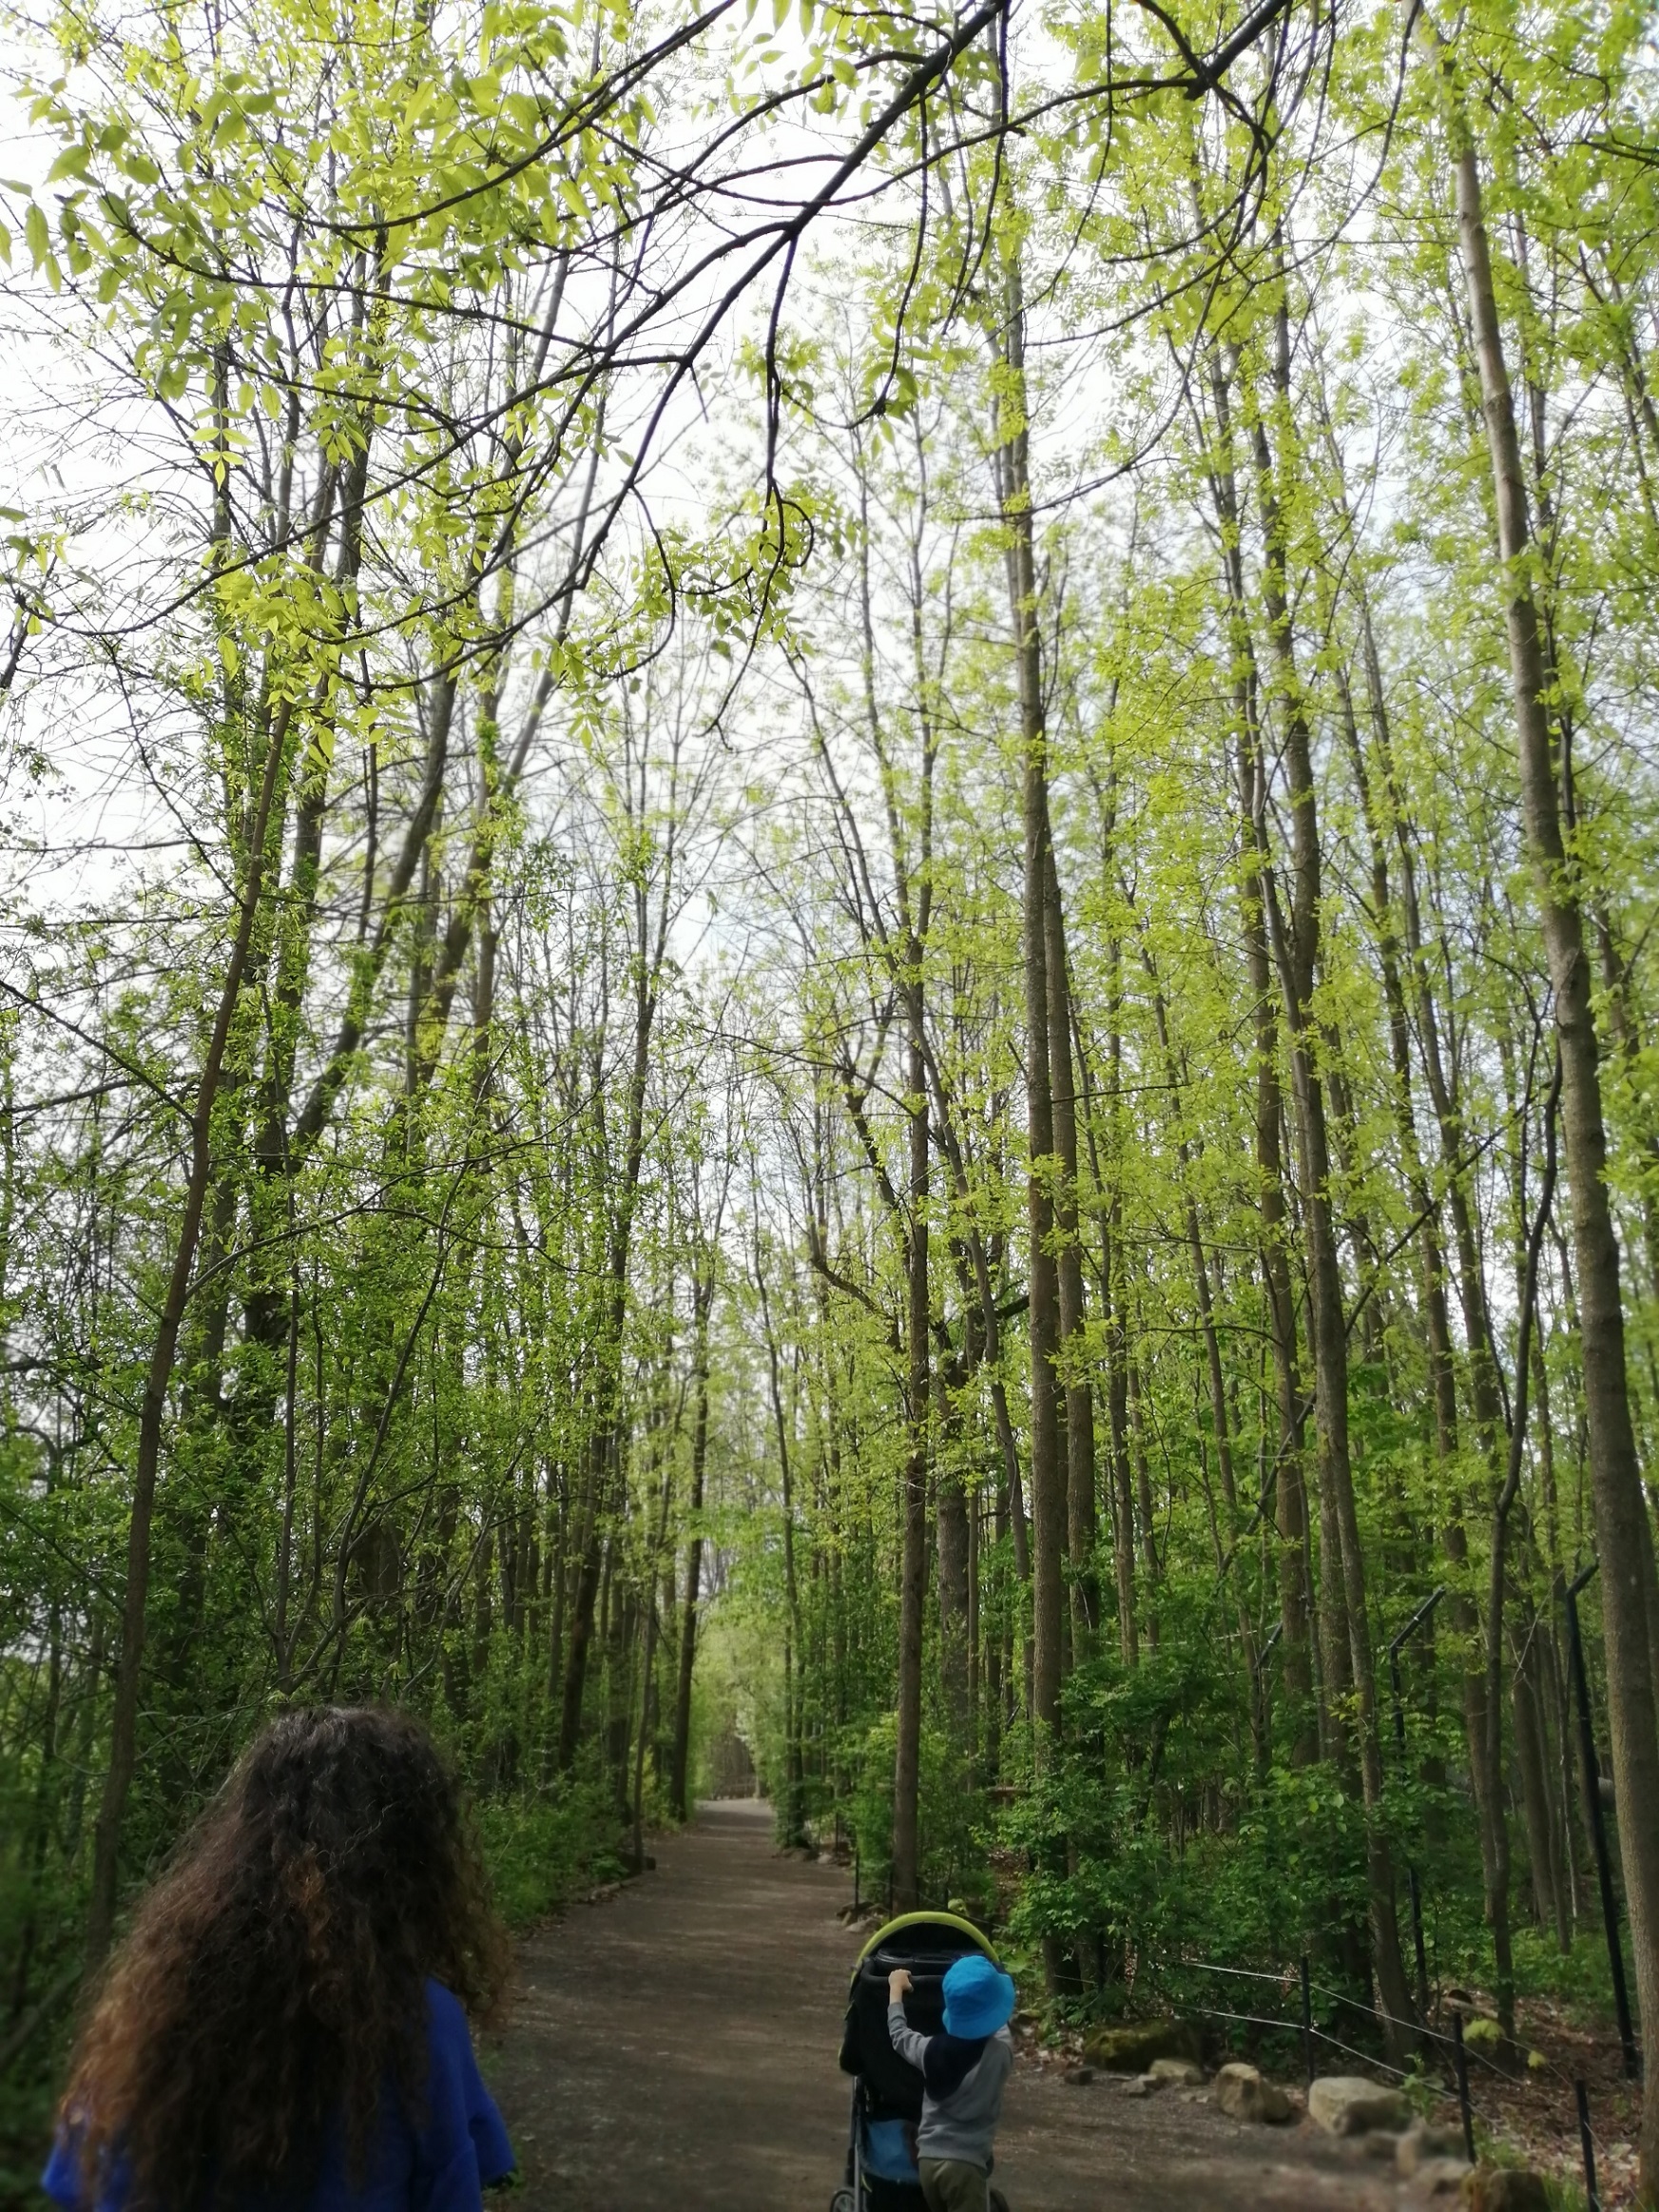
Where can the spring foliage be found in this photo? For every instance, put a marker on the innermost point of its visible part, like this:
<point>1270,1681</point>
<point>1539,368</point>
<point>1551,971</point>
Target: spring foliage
<point>782,981</point>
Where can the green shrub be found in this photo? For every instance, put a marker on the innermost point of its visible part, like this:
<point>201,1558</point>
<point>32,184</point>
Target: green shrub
<point>542,1851</point>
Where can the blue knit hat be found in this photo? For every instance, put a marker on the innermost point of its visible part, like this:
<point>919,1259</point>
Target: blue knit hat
<point>979,1998</point>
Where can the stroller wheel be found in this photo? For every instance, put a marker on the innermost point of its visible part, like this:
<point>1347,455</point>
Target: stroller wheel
<point>998,2202</point>
<point>842,2202</point>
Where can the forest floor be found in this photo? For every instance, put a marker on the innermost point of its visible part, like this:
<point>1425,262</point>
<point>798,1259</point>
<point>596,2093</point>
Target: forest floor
<point>672,2048</point>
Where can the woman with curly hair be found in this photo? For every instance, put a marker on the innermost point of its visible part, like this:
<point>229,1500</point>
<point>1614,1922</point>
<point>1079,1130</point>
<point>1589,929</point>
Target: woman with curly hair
<point>286,2024</point>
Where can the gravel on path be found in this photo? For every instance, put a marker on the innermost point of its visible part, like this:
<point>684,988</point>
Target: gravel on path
<point>672,2048</point>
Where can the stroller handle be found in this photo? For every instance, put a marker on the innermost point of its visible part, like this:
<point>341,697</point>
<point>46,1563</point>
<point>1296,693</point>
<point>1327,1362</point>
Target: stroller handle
<point>953,1922</point>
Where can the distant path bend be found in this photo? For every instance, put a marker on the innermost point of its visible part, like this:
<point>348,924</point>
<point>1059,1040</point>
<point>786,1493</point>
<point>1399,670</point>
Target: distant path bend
<point>673,2049</point>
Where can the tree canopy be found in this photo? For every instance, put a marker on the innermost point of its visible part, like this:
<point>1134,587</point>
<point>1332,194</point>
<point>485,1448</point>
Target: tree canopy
<point>831,839</point>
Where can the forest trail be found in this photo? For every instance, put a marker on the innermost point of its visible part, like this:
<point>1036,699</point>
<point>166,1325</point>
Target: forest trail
<point>673,2049</point>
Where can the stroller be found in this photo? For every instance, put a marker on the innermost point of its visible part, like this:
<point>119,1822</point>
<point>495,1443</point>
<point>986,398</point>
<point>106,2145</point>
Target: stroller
<point>881,2172</point>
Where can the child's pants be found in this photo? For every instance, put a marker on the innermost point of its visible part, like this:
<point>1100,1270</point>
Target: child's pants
<point>950,2184</point>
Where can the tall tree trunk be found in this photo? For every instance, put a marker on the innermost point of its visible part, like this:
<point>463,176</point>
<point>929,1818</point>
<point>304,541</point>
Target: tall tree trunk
<point>1442,1371</point>
<point>1629,1601</point>
<point>1047,1499</point>
<point>152,1416</point>
<point>1074,1359</point>
<point>983,1290</point>
<point>1299,941</point>
<point>1119,1496</point>
<point>680,1761</point>
<point>954,1543</point>
<point>650,949</point>
<point>1537,1794</point>
<point>1497,1899</point>
<point>793,1819</point>
<point>913,1569</point>
<point>1290,1489</point>
<point>587,1559</point>
<point>1442,1374</point>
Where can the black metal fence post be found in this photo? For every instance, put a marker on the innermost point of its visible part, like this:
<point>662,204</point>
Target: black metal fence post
<point>1610,1907</point>
<point>1586,2142</point>
<point>1461,2058</point>
<point>1306,2022</point>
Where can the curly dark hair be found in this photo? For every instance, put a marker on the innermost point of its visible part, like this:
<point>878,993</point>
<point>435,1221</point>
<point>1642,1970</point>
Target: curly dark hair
<point>273,1983</point>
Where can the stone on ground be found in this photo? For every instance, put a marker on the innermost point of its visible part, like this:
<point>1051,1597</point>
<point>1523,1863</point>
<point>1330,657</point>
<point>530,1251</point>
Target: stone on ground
<point>1184,2073</point>
<point>1243,2093</point>
<point>1131,2050</point>
<point>1421,2144</point>
<point>1349,2105</point>
<point>1439,2177</point>
<point>1506,2189</point>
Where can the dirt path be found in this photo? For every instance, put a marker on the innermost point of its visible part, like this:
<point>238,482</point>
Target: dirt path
<point>673,2049</point>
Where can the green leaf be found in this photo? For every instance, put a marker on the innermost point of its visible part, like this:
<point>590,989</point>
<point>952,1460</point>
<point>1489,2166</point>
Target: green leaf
<point>320,752</point>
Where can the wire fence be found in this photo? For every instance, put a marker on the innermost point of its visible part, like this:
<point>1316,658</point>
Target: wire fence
<point>1461,2054</point>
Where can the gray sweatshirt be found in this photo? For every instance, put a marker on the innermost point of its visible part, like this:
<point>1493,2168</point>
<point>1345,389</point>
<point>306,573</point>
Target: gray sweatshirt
<point>963,2086</point>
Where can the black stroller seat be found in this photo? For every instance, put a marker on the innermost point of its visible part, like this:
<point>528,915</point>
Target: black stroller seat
<point>887,2089</point>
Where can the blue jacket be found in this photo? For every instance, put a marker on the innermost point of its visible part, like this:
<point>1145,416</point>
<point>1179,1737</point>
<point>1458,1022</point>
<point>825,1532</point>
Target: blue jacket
<point>443,2163</point>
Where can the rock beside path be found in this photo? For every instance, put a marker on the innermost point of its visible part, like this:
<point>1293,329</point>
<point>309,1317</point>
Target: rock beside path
<point>1243,2093</point>
<point>1421,2144</point>
<point>1505,2189</point>
<point>1349,2105</point>
<point>1182,2073</point>
<point>1438,2177</point>
<point>1136,2049</point>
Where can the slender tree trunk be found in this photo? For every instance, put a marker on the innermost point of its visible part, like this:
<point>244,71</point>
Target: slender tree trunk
<point>913,1570</point>
<point>680,1763</point>
<point>1074,1361</point>
<point>1537,1794</point>
<point>1119,1497</point>
<point>589,1565</point>
<point>1143,1477</point>
<point>1630,1604</point>
<point>975,1632</point>
<point>650,950</point>
<point>1298,940</point>
<point>996,1639</point>
<point>152,1416</point>
<point>1442,1372</point>
<point>793,1819</point>
<point>1048,1480</point>
<point>1497,1900</point>
<point>954,1543</point>
<point>1290,1489</point>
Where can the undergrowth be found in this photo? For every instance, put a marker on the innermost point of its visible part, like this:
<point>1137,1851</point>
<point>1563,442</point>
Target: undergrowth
<point>541,1852</point>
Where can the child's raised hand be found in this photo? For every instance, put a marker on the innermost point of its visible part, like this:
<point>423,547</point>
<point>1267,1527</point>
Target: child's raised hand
<point>898,1985</point>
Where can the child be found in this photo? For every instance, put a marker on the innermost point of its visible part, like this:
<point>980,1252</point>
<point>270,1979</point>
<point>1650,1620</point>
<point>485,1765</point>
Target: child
<point>286,2024</point>
<point>963,2072</point>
